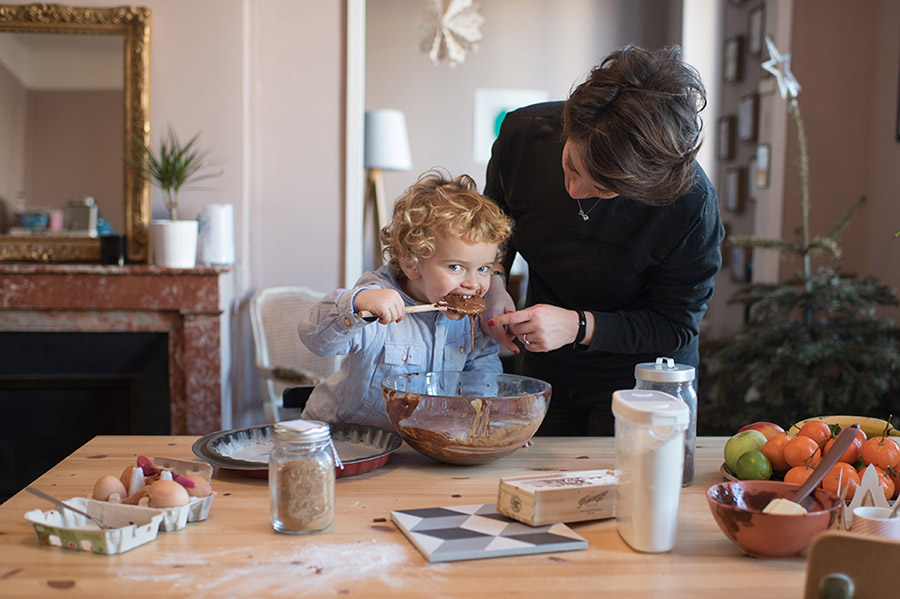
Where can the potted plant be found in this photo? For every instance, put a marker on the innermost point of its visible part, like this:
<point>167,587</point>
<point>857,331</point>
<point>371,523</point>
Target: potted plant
<point>171,168</point>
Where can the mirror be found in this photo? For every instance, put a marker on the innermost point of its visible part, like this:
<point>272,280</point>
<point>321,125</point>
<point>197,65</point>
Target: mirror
<point>131,27</point>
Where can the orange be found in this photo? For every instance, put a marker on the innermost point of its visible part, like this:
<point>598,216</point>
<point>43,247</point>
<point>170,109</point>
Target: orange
<point>881,451</point>
<point>885,482</point>
<point>774,450</point>
<point>842,473</point>
<point>802,451</point>
<point>895,478</point>
<point>816,430</point>
<point>851,454</point>
<point>797,475</point>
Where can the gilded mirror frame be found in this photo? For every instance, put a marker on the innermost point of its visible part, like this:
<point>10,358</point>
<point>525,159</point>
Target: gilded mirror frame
<point>133,23</point>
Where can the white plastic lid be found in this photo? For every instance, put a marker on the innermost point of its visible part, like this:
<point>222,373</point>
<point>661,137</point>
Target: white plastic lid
<point>650,408</point>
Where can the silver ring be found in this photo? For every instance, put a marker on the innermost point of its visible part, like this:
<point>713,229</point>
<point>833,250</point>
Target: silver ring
<point>524,340</point>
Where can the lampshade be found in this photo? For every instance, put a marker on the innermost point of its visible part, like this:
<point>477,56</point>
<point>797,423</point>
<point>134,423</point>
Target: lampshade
<point>386,144</point>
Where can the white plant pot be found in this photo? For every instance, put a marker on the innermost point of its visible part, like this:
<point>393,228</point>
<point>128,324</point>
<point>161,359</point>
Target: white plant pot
<point>174,243</point>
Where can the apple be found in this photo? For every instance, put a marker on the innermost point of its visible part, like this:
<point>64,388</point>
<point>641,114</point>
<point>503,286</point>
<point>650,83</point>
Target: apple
<point>769,429</point>
<point>740,444</point>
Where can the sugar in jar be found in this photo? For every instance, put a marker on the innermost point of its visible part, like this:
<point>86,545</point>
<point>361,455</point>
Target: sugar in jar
<point>677,380</point>
<point>301,477</point>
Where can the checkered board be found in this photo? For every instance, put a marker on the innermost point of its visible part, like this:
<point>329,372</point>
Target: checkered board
<point>461,532</point>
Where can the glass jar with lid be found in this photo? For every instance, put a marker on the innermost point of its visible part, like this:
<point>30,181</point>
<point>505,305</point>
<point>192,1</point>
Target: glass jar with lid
<point>677,380</point>
<point>301,477</point>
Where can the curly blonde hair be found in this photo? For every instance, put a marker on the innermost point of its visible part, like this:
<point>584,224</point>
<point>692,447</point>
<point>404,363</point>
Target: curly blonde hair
<point>436,205</point>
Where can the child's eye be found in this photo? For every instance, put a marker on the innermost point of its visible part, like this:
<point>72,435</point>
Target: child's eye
<point>484,269</point>
<point>455,267</point>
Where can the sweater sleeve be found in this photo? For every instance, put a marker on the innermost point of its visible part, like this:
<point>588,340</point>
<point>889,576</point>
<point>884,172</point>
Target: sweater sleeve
<point>330,327</point>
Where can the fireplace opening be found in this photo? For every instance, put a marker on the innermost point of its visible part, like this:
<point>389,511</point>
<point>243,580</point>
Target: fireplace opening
<point>58,390</point>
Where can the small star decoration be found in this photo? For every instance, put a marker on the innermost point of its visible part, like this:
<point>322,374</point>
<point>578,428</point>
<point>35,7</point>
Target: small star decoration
<point>787,83</point>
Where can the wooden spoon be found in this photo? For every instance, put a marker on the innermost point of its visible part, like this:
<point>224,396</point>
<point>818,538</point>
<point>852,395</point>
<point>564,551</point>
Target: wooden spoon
<point>366,315</point>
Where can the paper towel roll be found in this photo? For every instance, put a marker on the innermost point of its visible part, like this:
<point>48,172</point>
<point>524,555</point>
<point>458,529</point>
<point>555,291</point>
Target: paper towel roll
<point>217,234</point>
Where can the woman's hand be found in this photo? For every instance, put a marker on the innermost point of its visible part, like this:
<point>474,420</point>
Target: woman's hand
<point>543,327</point>
<point>498,301</point>
<point>386,304</point>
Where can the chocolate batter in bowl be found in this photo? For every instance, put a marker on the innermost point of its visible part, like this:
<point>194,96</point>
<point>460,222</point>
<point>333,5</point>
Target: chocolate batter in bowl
<point>465,417</point>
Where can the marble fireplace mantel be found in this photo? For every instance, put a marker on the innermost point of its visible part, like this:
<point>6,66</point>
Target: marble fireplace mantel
<point>184,303</point>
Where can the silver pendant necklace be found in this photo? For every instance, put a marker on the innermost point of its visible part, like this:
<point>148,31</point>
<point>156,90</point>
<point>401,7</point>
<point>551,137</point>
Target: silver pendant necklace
<point>582,213</point>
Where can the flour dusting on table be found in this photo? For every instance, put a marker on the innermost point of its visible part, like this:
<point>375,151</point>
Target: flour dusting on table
<point>310,568</point>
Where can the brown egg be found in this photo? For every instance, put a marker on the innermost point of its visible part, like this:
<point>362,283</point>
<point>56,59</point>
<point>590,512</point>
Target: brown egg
<point>126,476</point>
<point>202,487</point>
<point>167,493</point>
<point>106,486</point>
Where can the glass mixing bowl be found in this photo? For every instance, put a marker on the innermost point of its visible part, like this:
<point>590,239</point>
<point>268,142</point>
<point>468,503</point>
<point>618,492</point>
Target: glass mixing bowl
<point>465,417</point>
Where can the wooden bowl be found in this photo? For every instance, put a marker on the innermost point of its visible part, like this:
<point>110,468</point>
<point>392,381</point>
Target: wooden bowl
<point>737,507</point>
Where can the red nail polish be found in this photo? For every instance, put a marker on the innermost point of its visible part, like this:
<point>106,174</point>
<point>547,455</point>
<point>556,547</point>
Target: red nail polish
<point>490,323</point>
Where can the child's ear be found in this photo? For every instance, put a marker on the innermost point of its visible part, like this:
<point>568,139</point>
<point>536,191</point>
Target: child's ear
<point>410,268</point>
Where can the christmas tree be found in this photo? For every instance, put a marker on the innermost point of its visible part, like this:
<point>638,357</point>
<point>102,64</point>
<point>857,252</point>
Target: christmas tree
<point>812,345</point>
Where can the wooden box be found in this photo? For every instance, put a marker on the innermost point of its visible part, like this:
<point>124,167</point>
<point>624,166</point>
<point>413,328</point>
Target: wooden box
<point>559,497</point>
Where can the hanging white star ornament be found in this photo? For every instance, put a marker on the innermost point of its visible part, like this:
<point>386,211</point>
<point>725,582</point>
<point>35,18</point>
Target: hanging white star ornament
<point>451,32</point>
<point>787,83</point>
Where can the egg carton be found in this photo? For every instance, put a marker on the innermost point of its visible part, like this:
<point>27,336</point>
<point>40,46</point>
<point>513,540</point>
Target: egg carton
<point>132,526</point>
<point>197,509</point>
<point>176,518</point>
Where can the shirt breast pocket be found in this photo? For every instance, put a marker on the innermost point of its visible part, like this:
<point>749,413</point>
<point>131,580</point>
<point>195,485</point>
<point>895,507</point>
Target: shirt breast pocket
<point>456,351</point>
<point>404,353</point>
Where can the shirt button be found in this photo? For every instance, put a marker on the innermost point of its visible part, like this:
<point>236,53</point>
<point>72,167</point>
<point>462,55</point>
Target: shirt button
<point>462,350</point>
<point>404,357</point>
<point>348,322</point>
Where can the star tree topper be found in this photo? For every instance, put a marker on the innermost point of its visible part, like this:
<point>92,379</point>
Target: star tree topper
<point>787,83</point>
<point>451,31</point>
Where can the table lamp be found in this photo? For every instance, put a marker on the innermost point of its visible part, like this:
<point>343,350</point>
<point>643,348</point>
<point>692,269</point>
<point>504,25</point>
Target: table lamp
<point>386,149</point>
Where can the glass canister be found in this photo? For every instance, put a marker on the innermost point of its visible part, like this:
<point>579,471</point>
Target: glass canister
<point>677,380</point>
<point>650,429</point>
<point>301,477</point>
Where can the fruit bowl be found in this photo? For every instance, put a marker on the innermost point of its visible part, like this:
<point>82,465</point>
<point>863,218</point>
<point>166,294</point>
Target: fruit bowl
<point>873,427</point>
<point>737,508</point>
<point>465,417</point>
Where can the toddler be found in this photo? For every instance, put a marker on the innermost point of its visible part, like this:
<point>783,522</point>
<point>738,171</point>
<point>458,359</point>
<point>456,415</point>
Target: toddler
<point>443,239</point>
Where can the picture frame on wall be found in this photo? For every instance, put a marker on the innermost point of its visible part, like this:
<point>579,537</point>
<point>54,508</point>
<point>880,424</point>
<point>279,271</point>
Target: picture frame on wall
<point>740,261</point>
<point>898,115</point>
<point>763,152</point>
<point>727,127</point>
<point>751,182</point>
<point>748,117</point>
<point>756,30</point>
<point>733,59</point>
<point>735,188</point>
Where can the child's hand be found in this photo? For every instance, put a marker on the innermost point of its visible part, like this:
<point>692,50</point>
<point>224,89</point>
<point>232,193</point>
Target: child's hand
<point>386,304</point>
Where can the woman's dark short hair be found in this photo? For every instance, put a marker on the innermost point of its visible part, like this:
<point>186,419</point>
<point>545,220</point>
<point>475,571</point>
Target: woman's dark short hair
<point>636,121</point>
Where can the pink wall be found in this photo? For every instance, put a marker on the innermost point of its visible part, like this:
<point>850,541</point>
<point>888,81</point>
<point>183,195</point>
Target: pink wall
<point>849,77</point>
<point>12,130</point>
<point>76,150</point>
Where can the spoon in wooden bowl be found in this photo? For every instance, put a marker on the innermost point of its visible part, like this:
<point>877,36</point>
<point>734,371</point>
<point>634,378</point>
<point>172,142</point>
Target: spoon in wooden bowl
<point>792,505</point>
<point>830,458</point>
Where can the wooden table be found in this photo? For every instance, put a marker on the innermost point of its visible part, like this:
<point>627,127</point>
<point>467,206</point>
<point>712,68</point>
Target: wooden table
<point>235,553</point>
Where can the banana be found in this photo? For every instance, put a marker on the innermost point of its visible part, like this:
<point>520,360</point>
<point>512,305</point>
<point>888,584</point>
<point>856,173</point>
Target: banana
<point>872,427</point>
